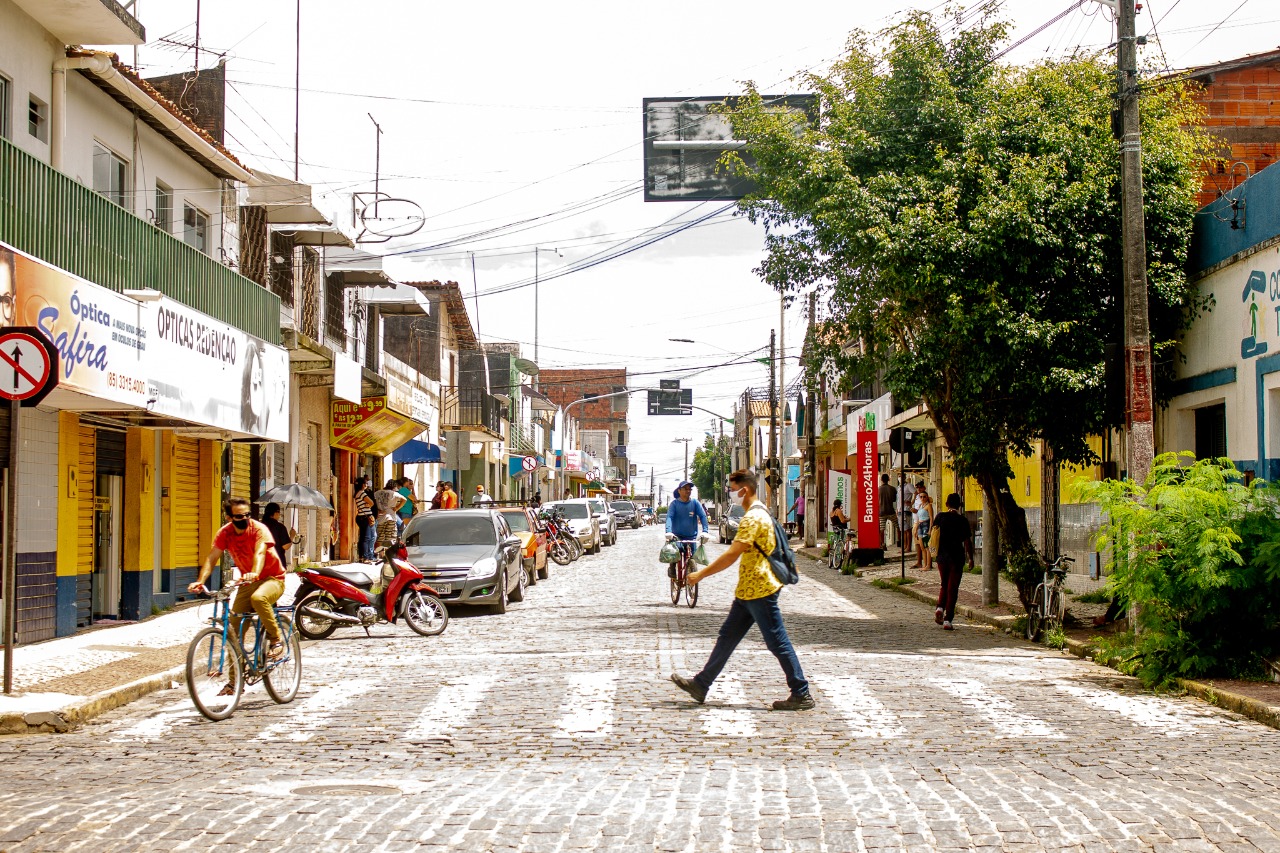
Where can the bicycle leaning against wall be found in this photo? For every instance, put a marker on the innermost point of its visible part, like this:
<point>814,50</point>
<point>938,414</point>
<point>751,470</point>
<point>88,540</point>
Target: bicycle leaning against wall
<point>1049,604</point>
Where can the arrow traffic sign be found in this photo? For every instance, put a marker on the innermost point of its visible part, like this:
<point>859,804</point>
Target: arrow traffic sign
<point>28,365</point>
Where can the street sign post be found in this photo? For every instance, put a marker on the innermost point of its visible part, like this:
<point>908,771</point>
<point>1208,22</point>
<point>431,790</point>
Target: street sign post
<point>28,372</point>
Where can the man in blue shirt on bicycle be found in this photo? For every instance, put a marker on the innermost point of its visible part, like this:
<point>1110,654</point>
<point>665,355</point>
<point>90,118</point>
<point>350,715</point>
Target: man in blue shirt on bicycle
<point>683,517</point>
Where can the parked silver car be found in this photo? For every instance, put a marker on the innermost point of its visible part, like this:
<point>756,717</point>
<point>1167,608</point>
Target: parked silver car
<point>729,524</point>
<point>582,522</point>
<point>608,520</point>
<point>627,514</point>
<point>469,556</point>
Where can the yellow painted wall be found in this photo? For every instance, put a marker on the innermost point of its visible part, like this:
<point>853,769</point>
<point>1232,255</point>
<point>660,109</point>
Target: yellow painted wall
<point>1025,484</point>
<point>139,500</point>
<point>210,492</point>
<point>69,493</point>
<point>164,473</point>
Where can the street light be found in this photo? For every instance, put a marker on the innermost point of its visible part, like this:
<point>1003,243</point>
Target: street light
<point>537,250</point>
<point>686,454</point>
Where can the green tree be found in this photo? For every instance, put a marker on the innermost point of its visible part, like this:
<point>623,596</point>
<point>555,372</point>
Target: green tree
<point>710,468</point>
<point>961,219</point>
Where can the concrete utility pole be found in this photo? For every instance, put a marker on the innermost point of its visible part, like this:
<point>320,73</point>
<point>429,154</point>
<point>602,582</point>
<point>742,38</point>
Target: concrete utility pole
<point>686,453</point>
<point>810,479</point>
<point>1140,446</point>
<point>773,406</point>
<point>782,407</point>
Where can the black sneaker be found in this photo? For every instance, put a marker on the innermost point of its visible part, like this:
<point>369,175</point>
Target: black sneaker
<point>795,703</point>
<point>693,688</point>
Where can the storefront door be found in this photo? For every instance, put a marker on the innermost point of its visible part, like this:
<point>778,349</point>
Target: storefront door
<point>107,541</point>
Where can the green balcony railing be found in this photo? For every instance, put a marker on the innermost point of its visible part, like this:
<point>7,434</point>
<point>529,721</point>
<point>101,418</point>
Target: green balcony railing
<point>55,218</point>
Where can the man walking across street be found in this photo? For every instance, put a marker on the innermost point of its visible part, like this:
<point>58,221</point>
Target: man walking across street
<point>755,601</point>
<point>888,511</point>
<point>252,549</point>
<point>955,539</point>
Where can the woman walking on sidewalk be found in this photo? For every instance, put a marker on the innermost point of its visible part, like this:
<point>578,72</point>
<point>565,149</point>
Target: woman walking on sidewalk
<point>955,540</point>
<point>924,517</point>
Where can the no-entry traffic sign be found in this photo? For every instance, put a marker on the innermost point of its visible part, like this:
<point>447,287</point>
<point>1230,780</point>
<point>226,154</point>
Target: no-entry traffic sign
<point>28,365</point>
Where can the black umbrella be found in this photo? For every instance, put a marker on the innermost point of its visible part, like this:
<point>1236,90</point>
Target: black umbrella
<point>296,495</point>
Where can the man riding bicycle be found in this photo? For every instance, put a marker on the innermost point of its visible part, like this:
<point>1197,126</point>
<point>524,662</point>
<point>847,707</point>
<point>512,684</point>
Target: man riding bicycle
<point>252,549</point>
<point>683,517</point>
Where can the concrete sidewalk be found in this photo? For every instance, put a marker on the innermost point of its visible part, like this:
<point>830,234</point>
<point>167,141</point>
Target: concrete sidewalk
<point>60,683</point>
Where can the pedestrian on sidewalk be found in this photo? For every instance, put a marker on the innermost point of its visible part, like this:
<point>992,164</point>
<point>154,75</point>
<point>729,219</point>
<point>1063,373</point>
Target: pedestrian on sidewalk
<point>261,574</point>
<point>955,540</point>
<point>437,500</point>
<point>923,518</point>
<point>797,506</point>
<point>364,518</point>
<point>388,502</point>
<point>888,511</point>
<point>755,601</point>
<point>410,505</point>
<point>449,498</point>
<point>906,513</point>
<point>279,533</point>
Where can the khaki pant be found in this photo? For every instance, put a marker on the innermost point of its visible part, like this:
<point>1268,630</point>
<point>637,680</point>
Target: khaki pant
<point>261,596</point>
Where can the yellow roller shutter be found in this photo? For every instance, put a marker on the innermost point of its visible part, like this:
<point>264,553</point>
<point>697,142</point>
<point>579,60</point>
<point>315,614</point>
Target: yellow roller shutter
<point>241,483</point>
<point>186,502</point>
<point>86,489</point>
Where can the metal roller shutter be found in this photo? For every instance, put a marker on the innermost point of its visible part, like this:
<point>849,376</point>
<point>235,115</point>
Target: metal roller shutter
<point>110,452</point>
<point>186,502</point>
<point>241,463</point>
<point>86,488</point>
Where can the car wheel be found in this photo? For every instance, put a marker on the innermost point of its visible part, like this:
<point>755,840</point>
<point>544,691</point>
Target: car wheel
<point>500,606</point>
<point>531,571</point>
<point>517,594</point>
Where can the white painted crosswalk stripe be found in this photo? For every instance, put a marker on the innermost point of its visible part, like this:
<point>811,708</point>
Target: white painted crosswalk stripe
<point>735,720</point>
<point>452,708</point>
<point>999,711</point>
<point>315,712</point>
<point>866,715</point>
<point>589,711</point>
<point>1149,711</point>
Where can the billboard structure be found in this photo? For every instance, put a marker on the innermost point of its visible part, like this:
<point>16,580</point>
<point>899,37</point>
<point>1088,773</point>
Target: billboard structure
<point>684,139</point>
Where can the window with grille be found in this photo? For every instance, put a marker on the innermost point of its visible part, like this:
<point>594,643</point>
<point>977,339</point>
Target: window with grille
<point>109,172</point>
<point>195,228</point>
<point>37,118</point>
<point>164,207</point>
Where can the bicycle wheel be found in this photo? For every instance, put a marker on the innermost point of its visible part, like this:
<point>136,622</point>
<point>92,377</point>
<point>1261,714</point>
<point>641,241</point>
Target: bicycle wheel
<point>426,614</point>
<point>215,674</point>
<point>284,677</point>
<point>675,584</point>
<point>834,550</point>
<point>1035,619</point>
<point>1055,611</point>
<point>691,595</point>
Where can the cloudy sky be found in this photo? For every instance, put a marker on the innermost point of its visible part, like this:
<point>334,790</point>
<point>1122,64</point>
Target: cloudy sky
<point>516,125</point>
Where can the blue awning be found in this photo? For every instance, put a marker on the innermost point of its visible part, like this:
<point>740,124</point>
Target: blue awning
<point>415,451</point>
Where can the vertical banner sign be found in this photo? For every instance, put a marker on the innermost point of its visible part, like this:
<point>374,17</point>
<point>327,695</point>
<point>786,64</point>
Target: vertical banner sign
<point>867,473</point>
<point>840,488</point>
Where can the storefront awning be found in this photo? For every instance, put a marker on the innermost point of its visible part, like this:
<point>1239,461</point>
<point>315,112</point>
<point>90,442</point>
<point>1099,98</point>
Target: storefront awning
<point>371,428</point>
<point>414,452</point>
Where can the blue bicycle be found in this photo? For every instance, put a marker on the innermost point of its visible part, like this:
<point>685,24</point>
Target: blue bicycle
<point>221,660</point>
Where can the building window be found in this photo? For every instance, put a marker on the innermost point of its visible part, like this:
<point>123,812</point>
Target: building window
<point>108,174</point>
<point>164,207</point>
<point>195,228</point>
<point>38,118</point>
<point>6,107</point>
<point>1211,431</point>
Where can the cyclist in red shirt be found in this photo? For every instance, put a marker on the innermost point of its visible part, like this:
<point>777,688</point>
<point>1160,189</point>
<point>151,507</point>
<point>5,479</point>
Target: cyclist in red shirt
<point>252,549</point>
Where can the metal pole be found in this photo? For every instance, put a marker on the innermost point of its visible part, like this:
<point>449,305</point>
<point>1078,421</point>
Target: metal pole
<point>535,304</point>
<point>297,83</point>
<point>773,404</point>
<point>11,546</point>
<point>1137,333</point>
<point>902,481</point>
<point>811,450</point>
<point>782,407</point>
<point>377,162</point>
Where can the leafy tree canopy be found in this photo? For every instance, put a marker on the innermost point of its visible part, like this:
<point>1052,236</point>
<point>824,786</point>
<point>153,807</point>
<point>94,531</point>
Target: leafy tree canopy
<point>710,470</point>
<point>961,220</point>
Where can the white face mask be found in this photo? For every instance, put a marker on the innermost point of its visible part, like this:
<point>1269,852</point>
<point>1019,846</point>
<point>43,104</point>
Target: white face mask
<point>738,499</point>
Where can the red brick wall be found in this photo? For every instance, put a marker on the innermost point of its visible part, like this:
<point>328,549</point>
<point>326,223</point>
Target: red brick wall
<point>1244,109</point>
<point>565,386</point>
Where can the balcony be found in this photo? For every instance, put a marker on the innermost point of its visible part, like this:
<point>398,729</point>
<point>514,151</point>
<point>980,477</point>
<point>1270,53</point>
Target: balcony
<point>62,222</point>
<point>471,409</point>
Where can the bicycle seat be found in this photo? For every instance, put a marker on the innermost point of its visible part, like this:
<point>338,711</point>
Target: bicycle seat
<point>1058,570</point>
<point>355,577</point>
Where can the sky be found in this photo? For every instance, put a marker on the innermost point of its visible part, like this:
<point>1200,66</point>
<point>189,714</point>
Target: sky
<point>518,125</point>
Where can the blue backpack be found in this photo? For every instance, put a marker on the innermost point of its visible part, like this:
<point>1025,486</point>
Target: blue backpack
<point>783,559</point>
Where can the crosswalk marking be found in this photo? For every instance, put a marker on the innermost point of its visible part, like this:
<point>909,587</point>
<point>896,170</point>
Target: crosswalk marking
<point>734,721</point>
<point>1008,722</point>
<point>314,712</point>
<point>589,711</point>
<point>866,715</point>
<point>1150,711</point>
<point>453,706</point>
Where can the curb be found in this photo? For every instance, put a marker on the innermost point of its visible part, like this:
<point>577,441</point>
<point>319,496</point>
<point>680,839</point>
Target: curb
<point>1245,706</point>
<point>71,716</point>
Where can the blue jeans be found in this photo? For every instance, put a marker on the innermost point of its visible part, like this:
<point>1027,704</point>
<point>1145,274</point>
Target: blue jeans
<point>367,533</point>
<point>764,613</point>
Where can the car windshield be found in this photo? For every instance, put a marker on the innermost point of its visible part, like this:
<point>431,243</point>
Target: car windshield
<point>737,512</point>
<point>450,529</point>
<point>518,520</point>
<point>577,511</point>
<point>598,506</point>
<point>623,506</point>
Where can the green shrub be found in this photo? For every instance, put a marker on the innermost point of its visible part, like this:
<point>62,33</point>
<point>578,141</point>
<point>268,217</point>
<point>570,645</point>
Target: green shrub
<point>1198,552</point>
<point>1101,595</point>
<point>1055,637</point>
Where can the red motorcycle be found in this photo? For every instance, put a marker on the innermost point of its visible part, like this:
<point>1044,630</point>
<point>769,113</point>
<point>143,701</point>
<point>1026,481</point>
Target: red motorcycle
<point>330,597</point>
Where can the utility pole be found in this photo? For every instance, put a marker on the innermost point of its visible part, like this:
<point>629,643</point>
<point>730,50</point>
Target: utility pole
<point>811,448</point>
<point>377,163</point>
<point>297,82</point>
<point>773,406</point>
<point>782,407</point>
<point>1140,446</point>
<point>686,454</point>
<point>537,250</point>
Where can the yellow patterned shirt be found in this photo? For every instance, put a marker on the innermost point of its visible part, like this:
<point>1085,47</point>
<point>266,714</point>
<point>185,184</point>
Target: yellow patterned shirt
<point>755,577</point>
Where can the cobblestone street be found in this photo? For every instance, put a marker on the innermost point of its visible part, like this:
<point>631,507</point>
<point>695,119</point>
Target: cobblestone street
<point>555,727</point>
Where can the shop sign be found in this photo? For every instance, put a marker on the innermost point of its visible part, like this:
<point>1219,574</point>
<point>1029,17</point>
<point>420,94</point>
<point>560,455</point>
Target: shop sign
<point>839,488</point>
<point>346,378</point>
<point>872,417</point>
<point>867,462</point>
<point>370,427</point>
<point>420,406</point>
<point>160,355</point>
<point>399,396</point>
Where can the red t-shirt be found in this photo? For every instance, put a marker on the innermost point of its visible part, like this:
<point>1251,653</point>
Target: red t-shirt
<point>242,545</point>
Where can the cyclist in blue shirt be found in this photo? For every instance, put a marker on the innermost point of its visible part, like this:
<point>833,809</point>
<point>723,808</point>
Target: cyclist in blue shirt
<point>684,515</point>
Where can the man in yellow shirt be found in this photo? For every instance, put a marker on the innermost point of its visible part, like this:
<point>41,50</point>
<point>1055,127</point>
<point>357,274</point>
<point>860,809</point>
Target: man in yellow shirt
<point>755,601</point>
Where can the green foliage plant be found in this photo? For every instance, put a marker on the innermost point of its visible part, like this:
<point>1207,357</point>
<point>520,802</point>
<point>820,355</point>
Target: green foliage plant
<point>960,220</point>
<point>1198,552</point>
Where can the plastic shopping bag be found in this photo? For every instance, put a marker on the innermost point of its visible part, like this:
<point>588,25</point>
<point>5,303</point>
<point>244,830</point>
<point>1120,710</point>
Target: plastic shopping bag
<point>670,553</point>
<point>700,555</point>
